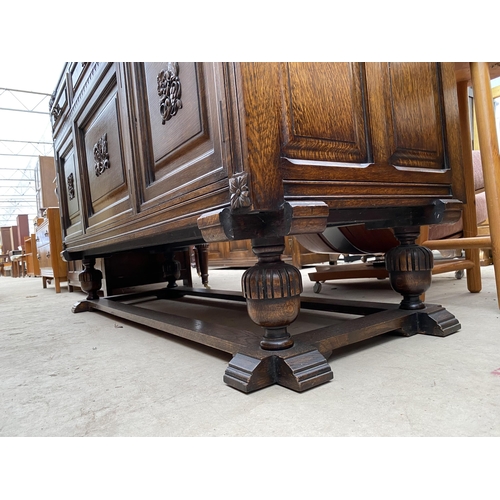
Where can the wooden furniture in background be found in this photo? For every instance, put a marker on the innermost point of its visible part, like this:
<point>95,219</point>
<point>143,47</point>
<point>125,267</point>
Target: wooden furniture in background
<point>7,241</point>
<point>158,157</point>
<point>45,175</point>
<point>239,254</point>
<point>22,229</point>
<point>18,265</point>
<point>480,75</point>
<point>49,248</point>
<point>31,256</point>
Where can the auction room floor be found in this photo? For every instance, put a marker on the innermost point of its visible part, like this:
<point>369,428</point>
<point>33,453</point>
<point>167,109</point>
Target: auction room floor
<point>90,374</point>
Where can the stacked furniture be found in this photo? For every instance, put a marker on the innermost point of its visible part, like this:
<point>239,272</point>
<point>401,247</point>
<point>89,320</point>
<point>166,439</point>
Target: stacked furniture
<point>31,256</point>
<point>49,248</point>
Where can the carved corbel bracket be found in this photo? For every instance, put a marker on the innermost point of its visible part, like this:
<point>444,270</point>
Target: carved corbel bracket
<point>295,218</point>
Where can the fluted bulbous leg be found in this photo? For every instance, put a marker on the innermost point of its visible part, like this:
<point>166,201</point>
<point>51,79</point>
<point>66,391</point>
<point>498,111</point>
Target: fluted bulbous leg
<point>171,270</point>
<point>410,268</point>
<point>272,289</point>
<point>90,278</point>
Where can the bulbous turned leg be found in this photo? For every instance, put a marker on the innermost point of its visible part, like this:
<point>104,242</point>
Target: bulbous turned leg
<point>171,270</point>
<point>272,289</point>
<point>90,278</point>
<point>410,268</point>
<point>202,252</point>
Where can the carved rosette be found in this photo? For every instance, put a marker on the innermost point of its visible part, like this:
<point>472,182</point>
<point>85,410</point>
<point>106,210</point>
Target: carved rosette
<point>101,155</point>
<point>70,182</point>
<point>272,290</point>
<point>170,91</point>
<point>239,191</point>
<point>55,111</point>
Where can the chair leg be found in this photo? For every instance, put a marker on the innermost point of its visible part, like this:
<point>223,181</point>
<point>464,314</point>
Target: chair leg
<point>469,216</point>
<point>490,158</point>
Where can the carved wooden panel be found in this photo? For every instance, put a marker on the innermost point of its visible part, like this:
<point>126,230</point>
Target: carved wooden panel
<point>325,112</point>
<point>103,152</point>
<point>72,195</point>
<point>69,189</point>
<point>179,133</point>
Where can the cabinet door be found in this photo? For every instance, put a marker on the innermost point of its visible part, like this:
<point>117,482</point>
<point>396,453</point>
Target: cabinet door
<point>407,114</point>
<point>69,189</point>
<point>178,138</point>
<point>101,149</point>
<point>370,133</point>
<point>45,258</point>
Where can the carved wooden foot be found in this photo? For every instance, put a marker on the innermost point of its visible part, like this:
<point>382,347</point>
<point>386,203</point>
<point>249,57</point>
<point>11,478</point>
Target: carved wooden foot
<point>410,268</point>
<point>437,321</point>
<point>81,306</point>
<point>249,374</point>
<point>272,289</point>
<point>298,372</point>
<point>90,278</point>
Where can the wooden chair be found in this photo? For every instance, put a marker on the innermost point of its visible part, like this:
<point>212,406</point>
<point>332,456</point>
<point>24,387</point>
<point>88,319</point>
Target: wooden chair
<point>480,74</point>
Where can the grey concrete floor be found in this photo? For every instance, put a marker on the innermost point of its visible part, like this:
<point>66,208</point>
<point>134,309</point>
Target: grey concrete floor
<point>91,374</point>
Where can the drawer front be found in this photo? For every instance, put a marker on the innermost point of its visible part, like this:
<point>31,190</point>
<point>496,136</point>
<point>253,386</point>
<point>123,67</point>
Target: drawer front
<point>44,256</point>
<point>42,235</point>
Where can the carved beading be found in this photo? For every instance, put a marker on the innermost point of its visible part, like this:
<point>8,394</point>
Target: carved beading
<point>101,155</point>
<point>169,91</point>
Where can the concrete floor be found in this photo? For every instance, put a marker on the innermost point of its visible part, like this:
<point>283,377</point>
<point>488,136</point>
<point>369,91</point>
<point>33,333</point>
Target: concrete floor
<point>90,374</point>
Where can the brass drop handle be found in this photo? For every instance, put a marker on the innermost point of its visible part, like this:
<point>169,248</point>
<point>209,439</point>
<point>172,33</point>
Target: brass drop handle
<point>48,254</point>
<point>38,256</point>
<point>46,233</point>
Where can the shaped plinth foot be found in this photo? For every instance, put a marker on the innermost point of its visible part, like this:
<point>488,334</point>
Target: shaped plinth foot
<point>298,372</point>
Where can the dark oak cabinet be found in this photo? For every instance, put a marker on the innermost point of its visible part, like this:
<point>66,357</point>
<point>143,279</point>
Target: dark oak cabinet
<point>160,156</point>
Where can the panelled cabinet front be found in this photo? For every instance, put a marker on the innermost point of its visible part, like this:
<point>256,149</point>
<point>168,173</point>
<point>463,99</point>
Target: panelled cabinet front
<point>146,150</point>
<point>141,152</point>
<point>177,138</point>
<point>372,132</point>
